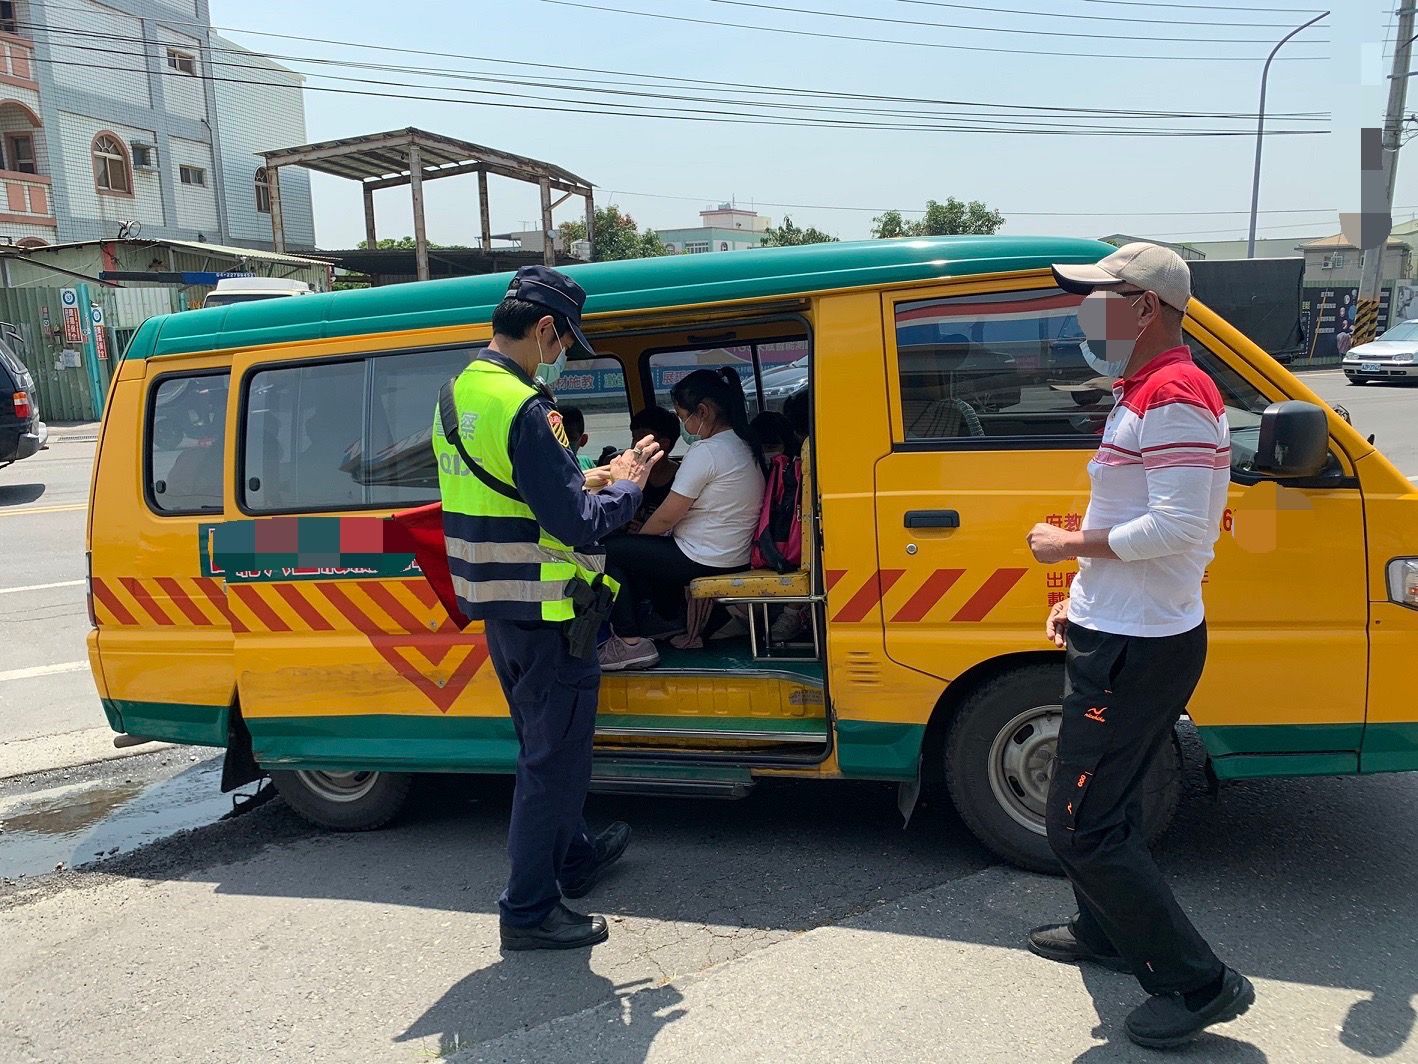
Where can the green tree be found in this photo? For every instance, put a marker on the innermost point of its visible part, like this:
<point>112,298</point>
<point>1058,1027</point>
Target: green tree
<point>951,218</point>
<point>617,237</point>
<point>404,243</point>
<point>789,235</point>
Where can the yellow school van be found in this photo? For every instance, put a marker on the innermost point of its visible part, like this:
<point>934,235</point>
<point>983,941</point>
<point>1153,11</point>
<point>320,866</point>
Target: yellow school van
<point>244,594</point>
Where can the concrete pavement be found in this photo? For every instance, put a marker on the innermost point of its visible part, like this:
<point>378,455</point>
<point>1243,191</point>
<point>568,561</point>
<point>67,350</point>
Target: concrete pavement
<point>802,923</point>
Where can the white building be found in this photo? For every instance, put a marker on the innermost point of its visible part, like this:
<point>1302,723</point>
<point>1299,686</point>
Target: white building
<point>134,111</point>
<point>724,228</point>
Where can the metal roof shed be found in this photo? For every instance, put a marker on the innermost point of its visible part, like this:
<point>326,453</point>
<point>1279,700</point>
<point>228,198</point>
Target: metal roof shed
<point>411,157</point>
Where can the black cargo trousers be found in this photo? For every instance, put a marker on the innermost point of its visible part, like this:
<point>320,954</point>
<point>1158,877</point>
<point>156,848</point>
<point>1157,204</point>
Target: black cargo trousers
<point>1122,698</point>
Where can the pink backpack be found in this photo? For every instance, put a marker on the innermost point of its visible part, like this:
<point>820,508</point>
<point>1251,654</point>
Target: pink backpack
<point>778,539</point>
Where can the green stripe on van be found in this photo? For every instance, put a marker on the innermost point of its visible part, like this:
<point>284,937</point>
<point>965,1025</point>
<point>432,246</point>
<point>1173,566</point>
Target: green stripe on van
<point>628,285</point>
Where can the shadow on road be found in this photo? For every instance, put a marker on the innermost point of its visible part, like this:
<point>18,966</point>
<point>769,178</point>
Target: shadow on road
<point>20,494</point>
<point>521,985</point>
<point>1301,881</point>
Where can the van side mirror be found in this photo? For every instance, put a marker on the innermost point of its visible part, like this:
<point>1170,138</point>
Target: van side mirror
<point>1294,440</point>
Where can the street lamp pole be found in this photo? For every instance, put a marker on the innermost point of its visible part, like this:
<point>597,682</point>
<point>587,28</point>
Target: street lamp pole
<point>1260,131</point>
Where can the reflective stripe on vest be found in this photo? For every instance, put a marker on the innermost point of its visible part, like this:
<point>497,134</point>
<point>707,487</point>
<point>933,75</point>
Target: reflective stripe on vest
<point>503,564</point>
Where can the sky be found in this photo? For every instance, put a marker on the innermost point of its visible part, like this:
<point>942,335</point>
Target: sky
<point>664,172</point>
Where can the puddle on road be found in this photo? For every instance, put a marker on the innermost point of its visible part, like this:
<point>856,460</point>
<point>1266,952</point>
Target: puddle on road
<point>75,823</point>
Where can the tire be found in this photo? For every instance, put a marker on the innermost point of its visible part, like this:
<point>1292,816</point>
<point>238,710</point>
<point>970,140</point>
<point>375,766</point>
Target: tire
<point>345,801</point>
<point>1012,721</point>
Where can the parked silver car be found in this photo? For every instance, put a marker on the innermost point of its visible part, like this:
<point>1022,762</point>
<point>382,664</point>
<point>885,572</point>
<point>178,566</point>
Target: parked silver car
<point>1393,356</point>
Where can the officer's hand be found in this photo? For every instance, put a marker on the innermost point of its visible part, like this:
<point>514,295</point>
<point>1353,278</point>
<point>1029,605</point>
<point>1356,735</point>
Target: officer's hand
<point>599,478</point>
<point>636,463</point>
<point>1056,627</point>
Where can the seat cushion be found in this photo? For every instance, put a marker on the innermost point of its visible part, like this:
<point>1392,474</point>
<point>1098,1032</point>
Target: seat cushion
<point>755,583</point>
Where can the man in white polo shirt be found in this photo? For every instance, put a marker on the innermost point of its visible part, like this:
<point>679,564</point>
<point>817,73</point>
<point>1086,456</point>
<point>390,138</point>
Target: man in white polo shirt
<point>1135,634</point>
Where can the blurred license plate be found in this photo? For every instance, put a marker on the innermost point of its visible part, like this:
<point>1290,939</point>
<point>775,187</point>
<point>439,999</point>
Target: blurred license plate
<point>1370,367</point>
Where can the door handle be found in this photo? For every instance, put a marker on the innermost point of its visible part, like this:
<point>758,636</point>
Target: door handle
<point>932,519</point>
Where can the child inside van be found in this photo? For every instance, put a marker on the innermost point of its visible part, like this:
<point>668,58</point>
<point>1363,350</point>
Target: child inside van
<point>574,422</point>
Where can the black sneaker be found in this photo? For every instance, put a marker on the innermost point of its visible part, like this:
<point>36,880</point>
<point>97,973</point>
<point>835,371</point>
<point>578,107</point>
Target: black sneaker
<point>1164,1021</point>
<point>1055,942</point>
<point>610,845</point>
<point>563,929</point>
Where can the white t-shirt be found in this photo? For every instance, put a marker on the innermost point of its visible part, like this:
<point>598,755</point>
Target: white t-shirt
<point>727,487</point>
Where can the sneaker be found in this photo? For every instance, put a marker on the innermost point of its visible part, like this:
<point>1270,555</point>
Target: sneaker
<point>733,628</point>
<point>1056,942</point>
<point>618,655</point>
<point>1164,1021</point>
<point>610,847</point>
<point>791,623</point>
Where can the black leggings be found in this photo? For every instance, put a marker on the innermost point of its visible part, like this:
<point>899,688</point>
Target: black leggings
<point>651,567</point>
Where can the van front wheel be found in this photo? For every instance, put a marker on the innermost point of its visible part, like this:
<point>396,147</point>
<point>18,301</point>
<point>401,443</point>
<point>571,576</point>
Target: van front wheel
<point>999,762</point>
<point>345,801</point>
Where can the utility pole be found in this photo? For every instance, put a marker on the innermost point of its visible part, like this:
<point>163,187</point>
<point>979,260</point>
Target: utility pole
<point>1371,277</point>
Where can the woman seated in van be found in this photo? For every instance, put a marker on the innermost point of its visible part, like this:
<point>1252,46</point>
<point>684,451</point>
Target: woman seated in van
<point>705,525</point>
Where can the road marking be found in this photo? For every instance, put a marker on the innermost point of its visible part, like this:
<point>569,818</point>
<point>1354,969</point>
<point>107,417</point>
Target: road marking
<point>20,511</point>
<point>41,587</point>
<point>44,670</point>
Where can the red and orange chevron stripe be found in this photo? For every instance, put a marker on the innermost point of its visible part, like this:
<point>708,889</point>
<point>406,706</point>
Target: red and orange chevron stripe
<point>869,596</point>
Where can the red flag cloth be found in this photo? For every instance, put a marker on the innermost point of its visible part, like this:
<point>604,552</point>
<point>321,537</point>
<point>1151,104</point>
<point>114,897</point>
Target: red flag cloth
<point>420,532</point>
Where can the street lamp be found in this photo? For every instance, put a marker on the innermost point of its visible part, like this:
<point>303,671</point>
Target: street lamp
<point>1260,131</point>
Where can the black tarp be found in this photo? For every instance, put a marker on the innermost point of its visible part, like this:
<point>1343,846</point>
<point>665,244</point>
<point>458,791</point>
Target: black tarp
<point>1261,297</point>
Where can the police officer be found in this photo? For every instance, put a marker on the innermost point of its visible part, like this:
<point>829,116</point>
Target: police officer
<point>521,531</point>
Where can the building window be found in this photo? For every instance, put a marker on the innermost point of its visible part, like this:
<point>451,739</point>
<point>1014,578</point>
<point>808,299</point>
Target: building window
<point>263,192</point>
<point>144,156</point>
<point>695,247</point>
<point>19,154</point>
<point>8,22</point>
<point>192,175</point>
<point>112,171</point>
<point>182,62</point>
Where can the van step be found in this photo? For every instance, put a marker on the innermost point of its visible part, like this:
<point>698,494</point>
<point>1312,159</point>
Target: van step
<point>614,776</point>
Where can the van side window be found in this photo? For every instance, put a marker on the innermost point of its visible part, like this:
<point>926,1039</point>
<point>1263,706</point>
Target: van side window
<point>998,365</point>
<point>344,435</point>
<point>182,456</point>
<point>597,388</point>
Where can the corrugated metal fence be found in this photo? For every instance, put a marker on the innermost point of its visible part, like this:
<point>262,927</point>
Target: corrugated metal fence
<point>70,349</point>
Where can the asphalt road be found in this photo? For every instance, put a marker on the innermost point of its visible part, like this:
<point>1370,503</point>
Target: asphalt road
<point>802,923</point>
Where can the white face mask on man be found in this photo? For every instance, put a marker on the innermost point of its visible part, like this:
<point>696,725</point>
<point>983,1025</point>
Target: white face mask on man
<point>1110,333</point>
<point>550,372</point>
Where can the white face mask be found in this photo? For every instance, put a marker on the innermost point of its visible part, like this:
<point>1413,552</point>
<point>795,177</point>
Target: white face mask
<point>1108,347</point>
<point>550,372</point>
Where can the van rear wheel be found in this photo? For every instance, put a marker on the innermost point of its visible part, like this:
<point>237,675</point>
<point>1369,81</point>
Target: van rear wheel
<point>344,801</point>
<point>999,762</point>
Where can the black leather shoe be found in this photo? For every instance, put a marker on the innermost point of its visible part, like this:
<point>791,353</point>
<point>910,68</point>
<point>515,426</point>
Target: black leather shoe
<point>563,929</point>
<point>1056,942</point>
<point>610,845</point>
<point>1163,1021</point>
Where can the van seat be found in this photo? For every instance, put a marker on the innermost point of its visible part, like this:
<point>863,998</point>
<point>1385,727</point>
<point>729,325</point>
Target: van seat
<point>769,583</point>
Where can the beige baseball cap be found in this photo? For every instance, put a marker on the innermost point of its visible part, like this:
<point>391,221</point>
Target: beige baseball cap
<point>1146,266</point>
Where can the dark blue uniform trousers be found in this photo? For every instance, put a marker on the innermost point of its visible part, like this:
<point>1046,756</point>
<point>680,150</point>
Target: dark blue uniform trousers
<point>553,700</point>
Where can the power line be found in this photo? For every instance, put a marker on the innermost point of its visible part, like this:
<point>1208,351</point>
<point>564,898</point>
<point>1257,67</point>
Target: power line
<point>739,87</point>
<point>713,117</point>
<point>1209,7</point>
<point>1009,213</point>
<point>916,44</point>
<point>1074,16</point>
<point>983,29</point>
<point>952,123</point>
